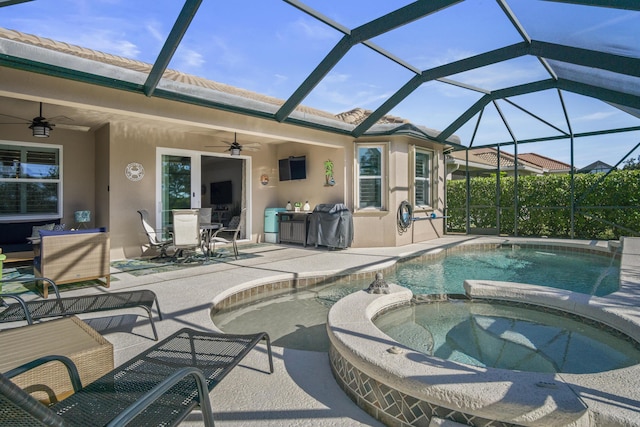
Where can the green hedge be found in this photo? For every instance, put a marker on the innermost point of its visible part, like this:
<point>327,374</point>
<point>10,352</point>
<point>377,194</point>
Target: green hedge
<point>604,210</point>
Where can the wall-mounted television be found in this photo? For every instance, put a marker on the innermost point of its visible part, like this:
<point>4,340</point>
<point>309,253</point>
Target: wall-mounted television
<point>221,193</point>
<point>292,168</point>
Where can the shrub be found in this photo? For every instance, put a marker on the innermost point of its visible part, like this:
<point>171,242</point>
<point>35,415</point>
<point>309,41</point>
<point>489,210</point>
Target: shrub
<point>604,208</point>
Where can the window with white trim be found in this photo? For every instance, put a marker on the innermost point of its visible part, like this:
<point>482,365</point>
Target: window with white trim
<point>371,176</point>
<point>422,178</point>
<point>30,181</point>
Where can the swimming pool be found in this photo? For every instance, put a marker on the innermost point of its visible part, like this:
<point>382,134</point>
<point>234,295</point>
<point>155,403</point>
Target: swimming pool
<point>577,272</point>
<point>507,336</point>
<point>296,319</point>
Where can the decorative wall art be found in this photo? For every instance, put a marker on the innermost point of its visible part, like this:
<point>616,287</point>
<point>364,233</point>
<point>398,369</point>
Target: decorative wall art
<point>328,174</point>
<point>134,171</point>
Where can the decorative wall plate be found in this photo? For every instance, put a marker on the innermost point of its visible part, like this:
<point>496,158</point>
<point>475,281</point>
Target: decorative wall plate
<point>134,171</point>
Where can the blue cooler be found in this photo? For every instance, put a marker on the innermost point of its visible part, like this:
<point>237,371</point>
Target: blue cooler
<point>271,224</point>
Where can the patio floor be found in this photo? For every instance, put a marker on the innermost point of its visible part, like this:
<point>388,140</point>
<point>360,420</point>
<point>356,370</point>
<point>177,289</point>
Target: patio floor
<point>302,391</point>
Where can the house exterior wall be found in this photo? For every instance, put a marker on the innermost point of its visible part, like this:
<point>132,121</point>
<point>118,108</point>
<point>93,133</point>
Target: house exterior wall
<point>94,162</point>
<point>78,154</point>
<point>102,172</point>
<point>380,228</point>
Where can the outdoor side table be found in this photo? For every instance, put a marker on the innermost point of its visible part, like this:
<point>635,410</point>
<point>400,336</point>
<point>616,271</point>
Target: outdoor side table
<point>71,337</point>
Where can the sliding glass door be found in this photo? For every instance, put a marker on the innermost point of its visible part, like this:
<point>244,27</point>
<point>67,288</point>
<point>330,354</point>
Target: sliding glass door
<point>176,185</point>
<point>180,178</point>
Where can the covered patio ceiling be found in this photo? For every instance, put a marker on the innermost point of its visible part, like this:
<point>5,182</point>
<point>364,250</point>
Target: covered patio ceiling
<point>493,72</point>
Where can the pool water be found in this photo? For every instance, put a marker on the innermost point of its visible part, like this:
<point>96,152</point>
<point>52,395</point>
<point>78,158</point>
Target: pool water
<point>297,318</point>
<point>503,336</point>
<point>585,273</point>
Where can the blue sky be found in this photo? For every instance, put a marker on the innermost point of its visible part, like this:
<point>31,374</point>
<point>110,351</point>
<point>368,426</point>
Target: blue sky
<point>268,46</point>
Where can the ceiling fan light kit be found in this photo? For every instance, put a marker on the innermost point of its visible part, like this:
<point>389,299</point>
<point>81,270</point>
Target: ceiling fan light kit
<point>40,129</point>
<point>40,126</point>
<point>234,148</point>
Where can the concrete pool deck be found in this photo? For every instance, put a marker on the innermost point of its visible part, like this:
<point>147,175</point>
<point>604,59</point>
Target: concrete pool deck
<point>302,390</point>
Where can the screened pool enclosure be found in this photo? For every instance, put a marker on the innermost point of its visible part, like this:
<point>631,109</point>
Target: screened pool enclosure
<point>559,78</point>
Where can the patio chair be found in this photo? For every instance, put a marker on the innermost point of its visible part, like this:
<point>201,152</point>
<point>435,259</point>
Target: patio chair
<point>152,235</point>
<point>29,311</point>
<point>205,215</point>
<point>186,231</point>
<point>234,230</point>
<point>160,386</point>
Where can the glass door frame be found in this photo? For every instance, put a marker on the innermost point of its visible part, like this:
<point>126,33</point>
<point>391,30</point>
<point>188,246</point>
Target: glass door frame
<point>196,181</point>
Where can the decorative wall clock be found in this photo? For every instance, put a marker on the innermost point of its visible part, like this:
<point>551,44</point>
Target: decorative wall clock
<point>134,171</point>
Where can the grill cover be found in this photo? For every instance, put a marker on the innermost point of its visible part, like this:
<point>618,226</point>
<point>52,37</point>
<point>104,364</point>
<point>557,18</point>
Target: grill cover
<point>331,225</point>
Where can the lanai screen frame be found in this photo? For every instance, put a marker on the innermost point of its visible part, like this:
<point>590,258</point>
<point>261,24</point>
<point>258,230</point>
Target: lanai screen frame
<point>570,68</point>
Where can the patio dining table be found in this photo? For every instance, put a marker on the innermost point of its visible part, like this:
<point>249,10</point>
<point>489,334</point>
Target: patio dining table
<point>207,230</point>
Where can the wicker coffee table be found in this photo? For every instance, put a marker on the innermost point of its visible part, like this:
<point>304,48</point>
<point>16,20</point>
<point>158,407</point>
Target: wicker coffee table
<point>71,337</point>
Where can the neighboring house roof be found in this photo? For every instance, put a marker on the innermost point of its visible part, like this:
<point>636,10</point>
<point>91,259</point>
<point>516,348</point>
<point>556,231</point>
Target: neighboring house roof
<point>487,158</point>
<point>352,117</point>
<point>598,166</point>
<point>544,162</point>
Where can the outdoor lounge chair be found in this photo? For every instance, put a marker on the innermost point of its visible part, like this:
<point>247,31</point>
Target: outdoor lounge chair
<point>161,386</point>
<point>67,306</point>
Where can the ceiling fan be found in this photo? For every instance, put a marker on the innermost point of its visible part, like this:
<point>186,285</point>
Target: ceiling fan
<point>235,147</point>
<point>40,126</point>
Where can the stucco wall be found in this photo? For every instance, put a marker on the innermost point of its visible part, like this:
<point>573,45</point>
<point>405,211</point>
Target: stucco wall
<point>102,173</point>
<point>314,188</point>
<point>95,161</point>
<point>78,154</point>
<point>376,229</point>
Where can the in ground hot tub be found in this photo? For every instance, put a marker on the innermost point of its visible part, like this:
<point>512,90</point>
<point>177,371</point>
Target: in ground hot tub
<point>402,386</point>
<point>509,336</point>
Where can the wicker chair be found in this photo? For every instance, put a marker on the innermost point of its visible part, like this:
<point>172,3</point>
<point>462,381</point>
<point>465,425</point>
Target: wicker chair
<point>161,386</point>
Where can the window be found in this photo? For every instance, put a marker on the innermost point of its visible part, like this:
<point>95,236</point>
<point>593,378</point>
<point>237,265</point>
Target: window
<point>422,171</point>
<point>371,176</point>
<point>30,181</point>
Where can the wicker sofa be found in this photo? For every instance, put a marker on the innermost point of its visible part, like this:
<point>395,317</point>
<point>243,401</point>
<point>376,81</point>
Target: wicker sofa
<point>72,256</point>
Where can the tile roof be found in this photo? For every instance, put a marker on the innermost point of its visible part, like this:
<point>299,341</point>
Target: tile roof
<point>489,156</point>
<point>358,115</point>
<point>545,162</point>
<point>355,116</point>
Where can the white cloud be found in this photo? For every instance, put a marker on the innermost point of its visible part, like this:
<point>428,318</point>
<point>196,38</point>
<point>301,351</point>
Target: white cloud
<point>312,29</point>
<point>225,54</point>
<point>339,92</point>
<point>189,60</point>
<point>153,28</point>
<point>598,115</point>
<point>279,79</point>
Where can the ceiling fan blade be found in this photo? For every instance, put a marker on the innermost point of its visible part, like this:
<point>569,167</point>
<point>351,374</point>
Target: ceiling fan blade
<point>15,123</point>
<point>59,118</point>
<point>17,118</point>
<point>72,127</point>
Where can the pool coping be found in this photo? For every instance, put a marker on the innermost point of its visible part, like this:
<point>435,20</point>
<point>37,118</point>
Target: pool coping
<point>254,290</point>
<point>403,387</point>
